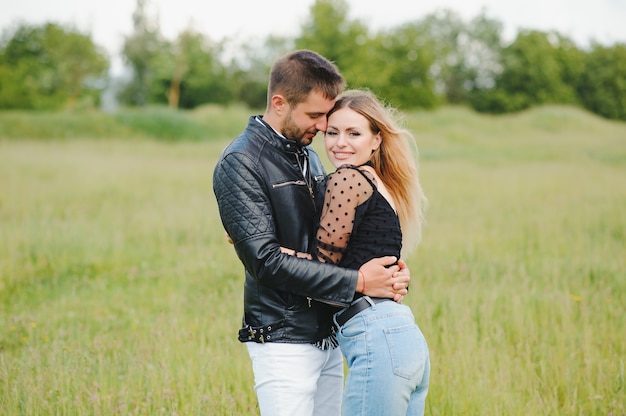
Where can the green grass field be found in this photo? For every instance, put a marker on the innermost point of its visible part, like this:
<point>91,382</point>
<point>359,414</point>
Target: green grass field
<point>120,295</point>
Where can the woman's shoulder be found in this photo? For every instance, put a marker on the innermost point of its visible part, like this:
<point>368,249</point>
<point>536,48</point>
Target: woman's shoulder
<point>351,176</point>
<point>347,168</point>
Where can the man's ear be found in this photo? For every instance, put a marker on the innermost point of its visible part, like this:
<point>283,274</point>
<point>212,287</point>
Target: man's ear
<point>279,104</point>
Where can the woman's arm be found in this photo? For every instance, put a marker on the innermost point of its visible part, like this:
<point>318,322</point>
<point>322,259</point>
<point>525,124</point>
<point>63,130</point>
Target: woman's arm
<point>346,189</point>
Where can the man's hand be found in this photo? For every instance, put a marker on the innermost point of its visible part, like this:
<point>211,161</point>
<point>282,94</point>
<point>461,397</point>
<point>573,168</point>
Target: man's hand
<point>382,278</point>
<point>402,279</point>
<point>298,254</point>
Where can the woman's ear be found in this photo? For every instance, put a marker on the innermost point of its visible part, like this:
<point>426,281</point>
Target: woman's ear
<point>377,141</point>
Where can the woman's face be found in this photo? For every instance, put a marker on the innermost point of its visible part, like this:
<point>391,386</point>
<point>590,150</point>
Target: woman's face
<point>349,139</point>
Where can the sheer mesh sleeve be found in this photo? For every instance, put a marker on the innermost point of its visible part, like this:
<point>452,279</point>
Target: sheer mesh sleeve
<point>346,189</point>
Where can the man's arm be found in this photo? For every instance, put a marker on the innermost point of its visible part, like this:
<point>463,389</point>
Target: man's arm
<point>247,216</point>
<point>244,206</point>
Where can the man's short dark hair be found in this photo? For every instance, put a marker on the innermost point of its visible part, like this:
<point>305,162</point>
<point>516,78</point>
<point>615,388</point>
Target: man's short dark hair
<point>298,73</point>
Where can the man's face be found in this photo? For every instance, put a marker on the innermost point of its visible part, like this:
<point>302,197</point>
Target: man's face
<point>304,120</point>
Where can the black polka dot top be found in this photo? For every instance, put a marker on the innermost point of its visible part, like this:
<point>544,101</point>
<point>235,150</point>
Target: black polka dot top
<point>357,223</point>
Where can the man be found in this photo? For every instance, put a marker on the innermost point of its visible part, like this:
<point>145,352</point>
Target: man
<point>268,185</point>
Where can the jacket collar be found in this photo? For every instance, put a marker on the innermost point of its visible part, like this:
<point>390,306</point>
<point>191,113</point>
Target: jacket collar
<point>275,139</point>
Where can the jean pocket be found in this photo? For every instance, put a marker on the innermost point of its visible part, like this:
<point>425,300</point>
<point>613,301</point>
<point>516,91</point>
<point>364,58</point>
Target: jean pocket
<point>354,328</point>
<point>408,351</point>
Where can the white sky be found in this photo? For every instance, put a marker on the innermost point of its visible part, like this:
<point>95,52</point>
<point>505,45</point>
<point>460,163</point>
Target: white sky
<point>109,21</point>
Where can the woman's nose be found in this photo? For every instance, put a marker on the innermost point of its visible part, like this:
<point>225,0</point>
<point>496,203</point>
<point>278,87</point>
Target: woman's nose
<point>341,140</point>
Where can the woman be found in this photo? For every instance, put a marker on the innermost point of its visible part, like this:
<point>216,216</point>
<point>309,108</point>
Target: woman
<point>372,197</point>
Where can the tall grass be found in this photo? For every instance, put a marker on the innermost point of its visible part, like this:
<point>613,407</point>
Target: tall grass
<point>209,122</point>
<point>120,295</point>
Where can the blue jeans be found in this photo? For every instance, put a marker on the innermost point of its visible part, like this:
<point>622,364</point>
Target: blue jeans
<point>388,362</point>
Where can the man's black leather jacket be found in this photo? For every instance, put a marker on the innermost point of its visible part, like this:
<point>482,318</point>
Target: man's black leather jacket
<point>264,202</point>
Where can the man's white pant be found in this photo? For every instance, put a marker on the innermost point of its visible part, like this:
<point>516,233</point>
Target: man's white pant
<point>297,379</point>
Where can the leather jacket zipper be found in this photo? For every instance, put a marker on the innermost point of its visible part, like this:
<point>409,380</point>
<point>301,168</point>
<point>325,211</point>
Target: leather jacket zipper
<point>299,183</point>
<point>280,185</point>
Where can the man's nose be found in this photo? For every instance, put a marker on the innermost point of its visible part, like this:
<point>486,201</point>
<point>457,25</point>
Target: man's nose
<point>321,124</point>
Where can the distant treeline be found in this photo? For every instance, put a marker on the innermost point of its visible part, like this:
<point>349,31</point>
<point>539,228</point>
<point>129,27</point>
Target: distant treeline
<point>437,60</point>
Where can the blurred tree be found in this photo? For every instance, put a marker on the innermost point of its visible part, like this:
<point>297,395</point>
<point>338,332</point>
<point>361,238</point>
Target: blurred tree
<point>251,67</point>
<point>465,54</point>
<point>50,67</point>
<point>330,33</point>
<point>537,68</point>
<point>481,50</point>
<point>437,59</point>
<point>188,73</point>
<point>171,66</point>
<point>572,60</point>
<point>140,51</point>
<point>532,65</point>
<point>402,59</point>
<point>387,64</point>
<point>602,87</point>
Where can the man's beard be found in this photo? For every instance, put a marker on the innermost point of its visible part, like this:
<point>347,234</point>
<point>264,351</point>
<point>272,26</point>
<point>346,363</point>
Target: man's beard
<point>292,132</point>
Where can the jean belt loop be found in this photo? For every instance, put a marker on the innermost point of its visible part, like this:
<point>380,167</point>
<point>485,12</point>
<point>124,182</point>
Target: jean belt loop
<point>369,300</point>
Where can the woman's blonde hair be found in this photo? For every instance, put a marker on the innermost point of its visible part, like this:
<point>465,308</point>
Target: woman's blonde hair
<point>395,160</point>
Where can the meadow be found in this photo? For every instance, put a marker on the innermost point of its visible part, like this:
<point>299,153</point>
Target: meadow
<point>120,295</point>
